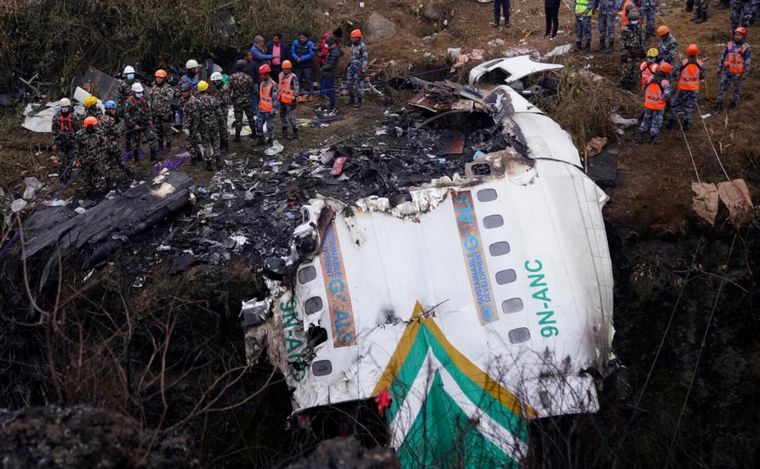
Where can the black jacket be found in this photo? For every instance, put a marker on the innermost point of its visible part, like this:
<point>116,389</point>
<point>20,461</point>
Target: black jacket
<point>330,67</point>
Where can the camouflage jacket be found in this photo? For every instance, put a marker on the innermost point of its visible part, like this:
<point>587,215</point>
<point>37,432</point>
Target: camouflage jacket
<point>223,95</point>
<point>89,147</point>
<point>64,127</point>
<point>240,85</point>
<point>160,98</point>
<point>359,57</point>
<point>192,108</point>
<point>221,109</point>
<point>209,111</point>
<point>631,44</point>
<point>93,111</point>
<point>110,133</point>
<point>668,50</point>
<point>125,89</point>
<point>137,112</point>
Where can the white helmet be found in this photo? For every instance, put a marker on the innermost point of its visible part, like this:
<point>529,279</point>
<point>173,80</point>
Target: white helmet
<point>128,69</point>
<point>137,87</point>
<point>191,64</point>
<point>216,76</point>
<point>64,102</point>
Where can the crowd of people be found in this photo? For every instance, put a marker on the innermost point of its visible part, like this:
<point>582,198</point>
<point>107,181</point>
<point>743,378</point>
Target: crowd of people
<point>270,78</point>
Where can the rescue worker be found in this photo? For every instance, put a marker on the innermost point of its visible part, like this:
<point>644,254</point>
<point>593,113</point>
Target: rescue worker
<point>690,73</point>
<point>268,103</point>
<point>700,11</point>
<point>607,20</point>
<point>668,46</point>
<point>583,10</point>
<point>241,86</point>
<point>191,108</point>
<point>206,121</point>
<point>137,120</point>
<point>656,96</point>
<point>287,85</point>
<point>110,129</point>
<point>733,67</point>
<point>742,12</point>
<point>125,85</point>
<point>647,67</point>
<point>357,67</point>
<point>91,107</point>
<point>631,50</point>
<point>191,75</point>
<point>160,98</point>
<point>221,92</point>
<point>328,72</point>
<point>64,129</point>
<point>91,157</point>
<point>648,11</point>
<point>629,6</point>
<point>302,57</point>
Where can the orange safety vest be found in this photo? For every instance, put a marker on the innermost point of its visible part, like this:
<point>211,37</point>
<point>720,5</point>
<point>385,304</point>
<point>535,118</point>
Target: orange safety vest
<point>690,75</point>
<point>654,95</point>
<point>624,12</point>
<point>646,72</point>
<point>65,123</point>
<point>265,96</point>
<point>287,94</point>
<point>735,59</point>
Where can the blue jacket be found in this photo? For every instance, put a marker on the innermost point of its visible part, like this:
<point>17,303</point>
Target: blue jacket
<point>306,53</point>
<point>192,80</point>
<point>259,59</point>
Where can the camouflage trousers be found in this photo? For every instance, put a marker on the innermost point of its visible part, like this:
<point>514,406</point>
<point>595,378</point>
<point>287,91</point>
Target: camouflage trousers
<point>607,23</point>
<point>239,109</point>
<point>136,137</point>
<point>701,5</point>
<point>741,13</point>
<point>651,121</point>
<point>96,173</point>
<point>265,118</point>
<point>288,116</point>
<point>582,29</point>
<point>65,150</point>
<point>629,75</point>
<point>207,143</point>
<point>224,131</point>
<point>355,81</point>
<point>162,125</point>
<point>725,83</point>
<point>685,102</point>
<point>649,12</point>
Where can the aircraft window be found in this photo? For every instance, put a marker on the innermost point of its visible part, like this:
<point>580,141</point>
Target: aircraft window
<point>504,277</point>
<point>307,274</point>
<point>313,305</point>
<point>487,195</point>
<point>322,367</point>
<point>519,335</point>
<point>512,305</point>
<point>499,249</point>
<point>493,221</point>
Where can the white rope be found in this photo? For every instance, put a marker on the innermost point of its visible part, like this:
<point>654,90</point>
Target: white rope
<point>688,147</point>
<point>707,131</point>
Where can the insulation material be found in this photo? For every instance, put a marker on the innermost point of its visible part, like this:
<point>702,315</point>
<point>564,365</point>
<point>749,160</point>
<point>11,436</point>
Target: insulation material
<point>705,201</point>
<point>735,195</point>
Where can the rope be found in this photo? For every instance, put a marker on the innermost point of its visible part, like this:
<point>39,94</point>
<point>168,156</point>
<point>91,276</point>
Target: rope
<point>688,147</point>
<point>707,131</point>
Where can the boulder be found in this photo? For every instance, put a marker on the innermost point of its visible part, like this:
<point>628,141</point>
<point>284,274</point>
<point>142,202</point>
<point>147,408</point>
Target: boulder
<point>378,28</point>
<point>435,10</point>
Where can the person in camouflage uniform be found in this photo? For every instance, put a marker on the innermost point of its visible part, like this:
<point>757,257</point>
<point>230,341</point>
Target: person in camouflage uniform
<point>668,46</point>
<point>91,107</point>
<point>733,68</point>
<point>92,158</point>
<point>160,97</point>
<point>357,66</point>
<point>631,51</point>
<point>125,87</point>
<point>111,129</point>
<point>64,127</point>
<point>137,120</point>
<point>241,86</point>
<point>206,126</point>
<point>700,11</point>
<point>190,105</point>
<point>221,93</point>
<point>607,19</point>
<point>648,10</point>
<point>268,104</point>
<point>742,12</point>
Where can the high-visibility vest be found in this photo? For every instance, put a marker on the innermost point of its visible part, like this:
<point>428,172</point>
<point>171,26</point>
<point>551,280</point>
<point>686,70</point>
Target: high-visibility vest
<point>646,72</point>
<point>581,6</point>
<point>627,5</point>
<point>65,123</point>
<point>654,94</point>
<point>265,96</point>
<point>690,75</point>
<point>735,60</point>
<point>287,94</point>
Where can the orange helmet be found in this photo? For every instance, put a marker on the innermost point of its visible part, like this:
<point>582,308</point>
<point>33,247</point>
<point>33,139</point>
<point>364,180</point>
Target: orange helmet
<point>692,50</point>
<point>264,69</point>
<point>666,68</point>
<point>160,73</point>
<point>356,33</point>
<point>287,65</point>
<point>741,30</point>
<point>662,31</point>
<point>90,121</point>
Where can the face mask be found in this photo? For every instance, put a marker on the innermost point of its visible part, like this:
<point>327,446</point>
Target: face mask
<point>130,76</point>
<point>138,95</point>
<point>65,110</point>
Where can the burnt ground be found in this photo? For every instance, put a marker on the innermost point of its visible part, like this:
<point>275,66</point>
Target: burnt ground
<point>675,277</point>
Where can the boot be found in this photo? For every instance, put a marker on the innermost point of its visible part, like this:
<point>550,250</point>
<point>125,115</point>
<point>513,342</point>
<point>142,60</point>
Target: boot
<point>640,137</point>
<point>219,162</point>
<point>209,166</point>
<point>731,105</point>
<point>654,140</point>
<point>602,44</point>
<point>611,46</point>
<point>358,102</point>
<point>718,107</point>
<point>295,133</point>
<point>237,136</point>
<point>260,141</point>
<point>153,156</point>
<point>284,132</point>
<point>578,46</point>
<point>686,125</point>
<point>168,145</point>
<point>269,141</point>
<point>588,45</point>
<point>699,17</point>
<point>351,99</point>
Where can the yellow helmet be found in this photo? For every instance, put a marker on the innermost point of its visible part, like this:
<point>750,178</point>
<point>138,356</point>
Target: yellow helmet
<point>653,53</point>
<point>90,101</point>
<point>202,86</point>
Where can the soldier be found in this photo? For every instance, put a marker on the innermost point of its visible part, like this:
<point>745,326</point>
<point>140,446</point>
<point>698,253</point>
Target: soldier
<point>607,18</point>
<point>91,107</point>
<point>656,97</point>
<point>137,119</point>
<point>288,91</point>
<point>700,11</point>
<point>206,122</point>
<point>631,50</point>
<point>92,157</point>
<point>690,73</point>
<point>733,67</point>
<point>583,10</point>
<point>64,130</point>
<point>742,12</point>
<point>190,107</point>
<point>125,85</point>
<point>241,90</point>
<point>160,98</point>
<point>648,66</point>
<point>357,67</point>
<point>110,129</point>
<point>648,10</point>
<point>221,93</point>
<point>268,104</point>
<point>668,46</point>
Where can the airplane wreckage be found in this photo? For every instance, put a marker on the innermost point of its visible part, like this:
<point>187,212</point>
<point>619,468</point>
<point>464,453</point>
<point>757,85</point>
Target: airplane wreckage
<point>465,308</point>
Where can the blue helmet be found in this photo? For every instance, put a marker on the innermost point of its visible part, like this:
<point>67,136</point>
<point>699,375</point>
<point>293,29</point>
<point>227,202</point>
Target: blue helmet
<point>110,104</point>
